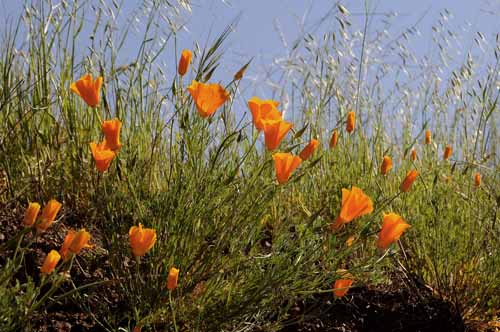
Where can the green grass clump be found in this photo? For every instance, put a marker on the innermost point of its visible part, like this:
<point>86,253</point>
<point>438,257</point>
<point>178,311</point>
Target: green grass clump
<point>247,248</point>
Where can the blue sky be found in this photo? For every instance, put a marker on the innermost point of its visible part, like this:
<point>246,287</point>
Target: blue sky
<point>256,32</point>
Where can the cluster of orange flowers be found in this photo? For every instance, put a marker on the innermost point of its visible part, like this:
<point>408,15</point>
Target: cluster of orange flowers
<point>141,239</point>
<point>73,243</point>
<point>208,97</point>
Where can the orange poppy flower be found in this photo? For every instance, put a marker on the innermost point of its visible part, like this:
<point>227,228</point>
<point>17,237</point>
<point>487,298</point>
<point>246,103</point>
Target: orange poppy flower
<point>447,152</point>
<point>184,62</point>
<point>80,241</point>
<point>411,176</point>
<point>334,140</point>
<point>102,155</point>
<point>477,179</point>
<point>173,277</point>
<point>48,216</point>
<point>263,110</point>
<point>50,262</point>
<point>31,214</point>
<point>355,203</point>
<point>207,97</point>
<point>393,227</point>
<point>427,136</point>
<point>284,165</point>
<point>350,240</point>
<point>413,154</point>
<point>351,121</point>
<point>341,287</point>
<point>65,246</point>
<point>141,239</point>
<point>307,152</point>
<point>386,165</point>
<point>88,89</point>
<point>111,130</point>
<point>274,132</point>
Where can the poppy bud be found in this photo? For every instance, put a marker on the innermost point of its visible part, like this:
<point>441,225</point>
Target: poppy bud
<point>447,152</point>
<point>307,152</point>
<point>351,121</point>
<point>477,179</point>
<point>334,140</point>
<point>386,165</point>
<point>31,214</point>
<point>413,154</point>
<point>408,181</point>
<point>173,276</point>
<point>427,136</point>
<point>50,262</point>
<point>184,62</point>
<point>48,216</point>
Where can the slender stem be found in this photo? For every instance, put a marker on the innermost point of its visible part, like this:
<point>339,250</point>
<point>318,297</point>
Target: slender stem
<point>173,310</point>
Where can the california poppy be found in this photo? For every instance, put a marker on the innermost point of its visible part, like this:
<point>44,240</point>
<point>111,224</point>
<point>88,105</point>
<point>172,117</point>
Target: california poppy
<point>284,165</point>
<point>111,130</point>
<point>31,214</point>
<point>386,165</point>
<point>413,154</point>
<point>355,203</point>
<point>477,179</point>
<point>141,239</point>
<point>48,215</point>
<point>350,240</point>
<point>67,242</point>
<point>411,176</point>
<point>351,121</point>
<point>207,97</point>
<point>427,136</point>
<point>50,262</point>
<point>274,132</point>
<point>447,152</point>
<point>184,62</point>
<point>173,276</point>
<point>307,152</point>
<point>102,155</point>
<point>341,287</point>
<point>88,89</point>
<point>393,227</point>
<point>263,110</point>
<point>80,241</point>
<point>334,139</point>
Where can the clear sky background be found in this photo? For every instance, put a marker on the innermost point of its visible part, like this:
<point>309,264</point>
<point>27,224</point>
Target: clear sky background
<point>256,33</point>
<point>261,22</point>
